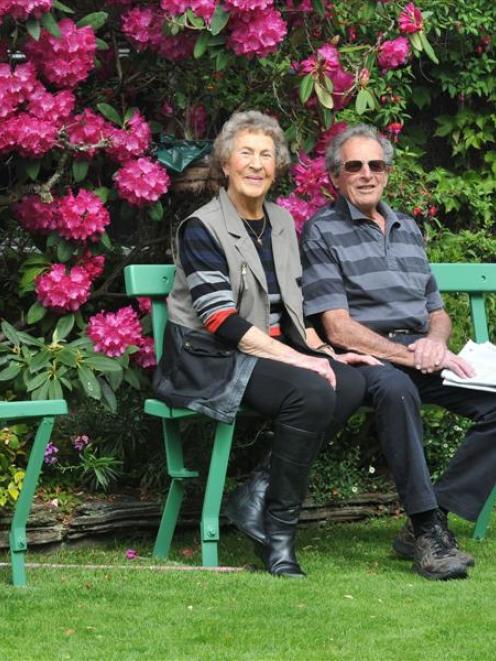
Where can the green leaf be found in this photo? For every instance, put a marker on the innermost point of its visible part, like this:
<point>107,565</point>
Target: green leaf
<point>219,20</point>
<point>64,326</point>
<point>67,357</point>
<point>80,170</point>
<point>416,41</point>
<point>36,312</point>
<point>27,281</point>
<point>221,60</point>
<point>37,381</point>
<point>156,211</point>
<point>89,382</point>
<point>41,393</point>
<point>324,97</point>
<point>108,396</point>
<point>29,340</point>
<point>201,44</point>
<point>101,44</point>
<point>105,241</point>
<point>429,51</point>
<point>50,24</point>
<point>110,113</point>
<point>34,29</point>
<point>61,7</point>
<point>10,372</point>
<point>103,364</point>
<point>33,169</point>
<point>131,377</point>
<point>10,333</point>
<point>95,20</point>
<point>40,360</point>
<point>102,192</point>
<point>55,390</point>
<point>318,7</point>
<point>364,101</point>
<point>64,250</point>
<point>194,20</point>
<point>306,87</point>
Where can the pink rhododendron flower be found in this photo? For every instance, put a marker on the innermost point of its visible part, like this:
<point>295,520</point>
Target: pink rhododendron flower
<point>328,135</point>
<point>394,129</point>
<point>35,215</point>
<point>82,216</point>
<point>410,19</point>
<point>131,554</point>
<point>167,109</point>
<point>54,108</point>
<point>144,304</point>
<point>312,180</point>
<point>67,60</point>
<point>33,137</point>
<point>145,357</point>
<point>300,209</point>
<point>178,47</point>
<point>131,141</point>
<point>22,9</point>
<point>394,53</point>
<point>80,442</point>
<point>62,290</point>
<point>137,25</point>
<point>86,131</point>
<point>93,265</point>
<point>256,33</point>
<point>196,120</point>
<point>247,5</point>
<point>16,87</point>
<point>113,332</point>
<point>141,182</point>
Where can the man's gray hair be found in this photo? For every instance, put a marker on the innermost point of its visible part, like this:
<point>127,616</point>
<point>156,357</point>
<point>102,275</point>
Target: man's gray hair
<point>254,122</point>
<point>333,151</point>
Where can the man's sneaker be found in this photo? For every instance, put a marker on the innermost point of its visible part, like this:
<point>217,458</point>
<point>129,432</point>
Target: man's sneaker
<point>435,558</point>
<point>404,542</point>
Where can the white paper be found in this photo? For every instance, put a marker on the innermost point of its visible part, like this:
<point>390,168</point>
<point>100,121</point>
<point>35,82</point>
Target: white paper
<point>482,357</point>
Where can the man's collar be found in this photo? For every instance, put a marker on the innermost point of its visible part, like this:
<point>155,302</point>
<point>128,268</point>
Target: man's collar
<point>344,205</point>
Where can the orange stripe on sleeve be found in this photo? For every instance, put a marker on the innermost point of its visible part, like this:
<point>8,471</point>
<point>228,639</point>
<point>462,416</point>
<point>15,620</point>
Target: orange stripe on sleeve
<point>217,319</point>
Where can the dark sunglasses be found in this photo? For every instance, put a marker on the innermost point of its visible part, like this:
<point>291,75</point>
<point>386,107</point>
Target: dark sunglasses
<point>353,167</point>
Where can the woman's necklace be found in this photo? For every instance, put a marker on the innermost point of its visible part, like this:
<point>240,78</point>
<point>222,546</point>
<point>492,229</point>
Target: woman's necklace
<point>259,236</point>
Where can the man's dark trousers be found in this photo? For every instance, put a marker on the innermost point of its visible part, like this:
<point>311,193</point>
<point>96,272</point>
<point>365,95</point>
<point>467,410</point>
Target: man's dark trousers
<point>396,394</point>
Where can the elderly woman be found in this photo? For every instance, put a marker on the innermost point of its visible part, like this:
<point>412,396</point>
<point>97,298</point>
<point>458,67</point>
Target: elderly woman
<point>236,333</point>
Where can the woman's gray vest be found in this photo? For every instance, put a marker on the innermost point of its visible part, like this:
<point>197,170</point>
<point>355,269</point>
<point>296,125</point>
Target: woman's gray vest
<point>198,370</point>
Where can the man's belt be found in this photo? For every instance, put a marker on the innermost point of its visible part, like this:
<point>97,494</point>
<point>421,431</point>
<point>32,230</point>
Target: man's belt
<point>401,331</point>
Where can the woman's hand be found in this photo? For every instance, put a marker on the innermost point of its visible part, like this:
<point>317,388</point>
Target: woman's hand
<point>319,365</point>
<point>351,358</point>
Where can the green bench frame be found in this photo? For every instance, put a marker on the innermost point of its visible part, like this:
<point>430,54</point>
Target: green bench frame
<point>46,410</point>
<point>155,281</point>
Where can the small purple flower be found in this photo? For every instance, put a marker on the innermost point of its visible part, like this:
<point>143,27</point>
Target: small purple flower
<point>80,442</point>
<point>131,554</point>
<point>51,453</point>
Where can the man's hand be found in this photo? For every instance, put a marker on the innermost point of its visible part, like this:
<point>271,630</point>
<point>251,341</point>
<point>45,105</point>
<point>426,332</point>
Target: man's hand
<point>351,358</point>
<point>458,365</point>
<point>429,354</point>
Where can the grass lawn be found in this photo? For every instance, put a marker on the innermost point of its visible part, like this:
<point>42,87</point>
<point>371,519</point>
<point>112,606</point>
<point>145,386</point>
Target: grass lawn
<point>358,602</point>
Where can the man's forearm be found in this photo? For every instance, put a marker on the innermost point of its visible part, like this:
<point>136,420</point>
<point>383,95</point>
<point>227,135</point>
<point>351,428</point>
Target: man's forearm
<point>346,333</point>
<point>439,326</point>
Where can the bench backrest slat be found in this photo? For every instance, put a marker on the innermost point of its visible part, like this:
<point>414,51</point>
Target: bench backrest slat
<point>155,281</point>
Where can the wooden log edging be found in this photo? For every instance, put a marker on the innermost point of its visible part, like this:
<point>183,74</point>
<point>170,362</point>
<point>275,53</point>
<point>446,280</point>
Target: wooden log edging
<point>118,516</point>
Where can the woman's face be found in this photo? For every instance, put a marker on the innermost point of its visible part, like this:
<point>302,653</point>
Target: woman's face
<point>251,166</point>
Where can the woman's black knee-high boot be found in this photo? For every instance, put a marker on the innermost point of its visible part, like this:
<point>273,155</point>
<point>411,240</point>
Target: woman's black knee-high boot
<point>246,505</point>
<point>292,457</point>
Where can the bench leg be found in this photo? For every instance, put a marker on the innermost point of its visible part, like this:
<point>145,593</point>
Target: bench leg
<point>17,537</point>
<point>484,517</point>
<point>178,474</point>
<point>209,526</point>
<point>169,519</point>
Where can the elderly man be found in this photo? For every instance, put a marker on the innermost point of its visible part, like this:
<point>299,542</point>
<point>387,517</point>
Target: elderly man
<point>369,287</point>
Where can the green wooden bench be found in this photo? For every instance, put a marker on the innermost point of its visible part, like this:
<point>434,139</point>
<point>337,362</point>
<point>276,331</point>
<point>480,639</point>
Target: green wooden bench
<point>46,410</point>
<point>155,281</point>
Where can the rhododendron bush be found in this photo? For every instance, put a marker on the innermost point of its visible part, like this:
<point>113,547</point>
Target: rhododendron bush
<point>87,89</point>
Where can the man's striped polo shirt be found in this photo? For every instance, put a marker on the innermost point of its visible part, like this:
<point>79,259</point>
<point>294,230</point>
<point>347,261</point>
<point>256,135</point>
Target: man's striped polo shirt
<point>383,280</point>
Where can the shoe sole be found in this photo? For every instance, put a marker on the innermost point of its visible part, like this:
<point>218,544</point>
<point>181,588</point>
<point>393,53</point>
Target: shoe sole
<point>458,574</point>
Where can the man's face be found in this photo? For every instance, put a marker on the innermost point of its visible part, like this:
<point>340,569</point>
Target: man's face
<point>363,188</point>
